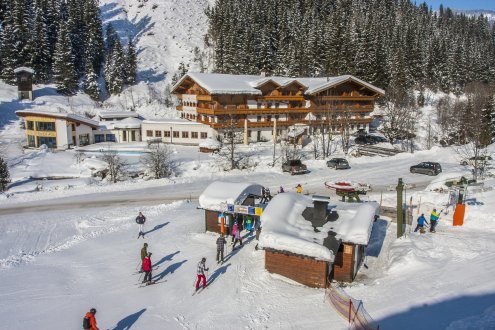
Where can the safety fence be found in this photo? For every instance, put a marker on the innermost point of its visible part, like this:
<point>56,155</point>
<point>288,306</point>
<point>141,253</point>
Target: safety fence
<point>350,309</point>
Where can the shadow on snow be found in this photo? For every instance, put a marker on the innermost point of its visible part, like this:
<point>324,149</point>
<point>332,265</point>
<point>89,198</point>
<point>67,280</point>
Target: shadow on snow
<point>127,322</point>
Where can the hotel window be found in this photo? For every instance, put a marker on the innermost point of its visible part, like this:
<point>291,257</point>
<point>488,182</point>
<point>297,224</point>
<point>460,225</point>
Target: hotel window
<point>277,105</point>
<point>30,125</point>
<point>176,134</point>
<point>258,105</point>
<point>45,126</point>
<point>124,135</point>
<point>149,133</point>
<point>50,142</point>
<point>158,133</point>
<point>194,135</point>
<point>83,140</point>
<point>99,138</point>
<point>258,118</point>
<point>133,135</point>
<point>31,141</point>
<point>204,135</point>
<point>110,137</point>
<point>185,135</point>
<point>166,134</point>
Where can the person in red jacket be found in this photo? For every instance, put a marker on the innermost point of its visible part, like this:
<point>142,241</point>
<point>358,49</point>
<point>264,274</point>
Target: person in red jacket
<point>90,320</point>
<point>147,269</point>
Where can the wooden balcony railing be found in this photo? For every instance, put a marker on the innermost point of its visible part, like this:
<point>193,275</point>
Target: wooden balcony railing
<point>282,123</point>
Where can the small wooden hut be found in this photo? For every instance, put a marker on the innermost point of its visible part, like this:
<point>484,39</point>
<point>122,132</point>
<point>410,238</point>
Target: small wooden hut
<point>311,242</point>
<point>226,202</point>
<point>24,83</point>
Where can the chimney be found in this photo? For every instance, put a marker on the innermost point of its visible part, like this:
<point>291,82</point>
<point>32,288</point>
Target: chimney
<point>320,210</point>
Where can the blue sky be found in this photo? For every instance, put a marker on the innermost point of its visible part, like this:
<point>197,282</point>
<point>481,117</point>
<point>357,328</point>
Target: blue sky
<point>460,4</point>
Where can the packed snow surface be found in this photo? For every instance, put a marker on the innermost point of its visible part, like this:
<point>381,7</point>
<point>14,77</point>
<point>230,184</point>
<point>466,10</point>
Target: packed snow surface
<point>218,194</point>
<point>285,229</point>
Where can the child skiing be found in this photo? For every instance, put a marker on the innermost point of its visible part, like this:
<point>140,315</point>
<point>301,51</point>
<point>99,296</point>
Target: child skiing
<point>434,220</point>
<point>89,321</point>
<point>147,266</point>
<point>220,246</point>
<point>421,223</point>
<point>201,273</point>
<point>299,189</point>
<point>140,220</point>
<point>238,238</point>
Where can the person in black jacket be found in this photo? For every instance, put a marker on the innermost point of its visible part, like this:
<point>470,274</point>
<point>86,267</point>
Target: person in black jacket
<point>220,246</point>
<point>140,220</point>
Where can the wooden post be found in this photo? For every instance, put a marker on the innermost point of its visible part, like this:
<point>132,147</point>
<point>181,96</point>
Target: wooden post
<point>350,310</point>
<point>246,138</point>
<point>400,214</point>
<point>274,140</point>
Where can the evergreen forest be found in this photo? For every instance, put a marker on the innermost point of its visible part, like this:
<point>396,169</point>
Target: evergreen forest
<point>385,42</point>
<point>64,42</point>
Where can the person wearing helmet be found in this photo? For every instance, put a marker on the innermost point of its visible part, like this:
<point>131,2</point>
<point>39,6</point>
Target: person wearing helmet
<point>201,273</point>
<point>89,321</point>
<point>147,266</point>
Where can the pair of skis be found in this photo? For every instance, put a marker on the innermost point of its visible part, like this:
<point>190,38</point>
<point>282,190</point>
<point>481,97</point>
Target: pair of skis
<point>142,285</point>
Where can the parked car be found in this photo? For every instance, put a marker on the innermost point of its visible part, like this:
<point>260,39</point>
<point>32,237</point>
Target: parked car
<point>364,139</point>
<point>338,163</point>
<point>429,168</point>
<point>294,166</point>
<point>482,160</point>
<point>377,138</point>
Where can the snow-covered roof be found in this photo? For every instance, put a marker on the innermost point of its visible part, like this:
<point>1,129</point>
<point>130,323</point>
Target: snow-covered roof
<point>67,116</point>
<point>210,144</point>
<point>128,123</point>
<point>285,229</point>
<point>24,69</point>
<point>118,114</point>
<point>355,221</point>
<point>175,121</point>
<point>216,83</point>
<point>218,194</point>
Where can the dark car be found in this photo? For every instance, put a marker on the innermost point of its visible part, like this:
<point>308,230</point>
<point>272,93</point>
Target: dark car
<point>294,166</point>
<point>429,168</point>
<point>377,138</point>
<point>364,139</point>
<point>338,163</point>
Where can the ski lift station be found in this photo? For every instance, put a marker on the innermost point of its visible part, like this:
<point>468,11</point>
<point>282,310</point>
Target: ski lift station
<point>308,239</point>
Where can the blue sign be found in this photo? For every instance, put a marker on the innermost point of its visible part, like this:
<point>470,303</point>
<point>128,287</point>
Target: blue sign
<point>230,208</point>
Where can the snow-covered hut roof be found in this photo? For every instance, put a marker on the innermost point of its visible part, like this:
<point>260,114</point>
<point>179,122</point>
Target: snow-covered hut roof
<point>354,222</point>
<point>173,121</point>
<point>128,123</point>
<point>210,144</point>
<point>216,83</point>
<point>218,194</point>
<point>24,69</point>
<point>118,114</point>
<point>59,115</point>
<point>285,228</point>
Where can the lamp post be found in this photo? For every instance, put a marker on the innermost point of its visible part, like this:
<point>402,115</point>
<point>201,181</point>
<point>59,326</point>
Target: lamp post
<point>400,219</point>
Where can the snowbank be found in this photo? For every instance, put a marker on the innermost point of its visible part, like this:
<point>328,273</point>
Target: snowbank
<point>285,229</point>
<point>355,222</point>
<point>218,194</point>
<point>210,144</point>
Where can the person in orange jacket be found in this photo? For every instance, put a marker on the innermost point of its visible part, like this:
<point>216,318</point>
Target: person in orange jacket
<point>89,321</point>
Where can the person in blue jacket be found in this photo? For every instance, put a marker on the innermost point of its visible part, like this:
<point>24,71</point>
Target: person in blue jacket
<point>421,222</point>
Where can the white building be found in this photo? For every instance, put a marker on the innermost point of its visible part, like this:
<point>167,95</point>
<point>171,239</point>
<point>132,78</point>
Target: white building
<point>127,130</point>
<point>177,131</point>
<point>57,130</point>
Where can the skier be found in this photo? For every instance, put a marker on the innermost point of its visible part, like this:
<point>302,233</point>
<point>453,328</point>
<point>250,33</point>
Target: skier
<point>299,189</point>
<point>234,230</point>
<point>220,245</point>
<point>140,220</point>
<point>434,220</point>
<point>281,190</point>
<point>238,238</point>
<point>249,224</point>
<point>144,253</point>
<point>201,273</point>
<point>421,223</point>
<point>147,266</point>
<point>89,321</point>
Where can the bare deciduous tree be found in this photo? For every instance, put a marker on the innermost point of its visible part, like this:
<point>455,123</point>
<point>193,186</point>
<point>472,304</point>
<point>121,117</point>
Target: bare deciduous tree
<point>158,160</point>
<point>116,167</point>
<point>231,139</point>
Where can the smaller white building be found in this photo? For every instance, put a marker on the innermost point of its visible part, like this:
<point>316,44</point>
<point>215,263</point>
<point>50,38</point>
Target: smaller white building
<point>175,131</point>
<point>127,130</point>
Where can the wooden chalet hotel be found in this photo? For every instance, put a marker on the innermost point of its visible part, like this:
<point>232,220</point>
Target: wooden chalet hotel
<point>257,104</point>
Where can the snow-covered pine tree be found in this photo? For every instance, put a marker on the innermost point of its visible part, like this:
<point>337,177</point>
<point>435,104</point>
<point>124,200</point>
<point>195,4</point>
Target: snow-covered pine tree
<point>93,35</point>
<point>115,68</point>
<point>8,50</point>
<point>40,59</point>
<point>130,64</point>
<point>91,85</point>
<point>4,174</point>
<point>64,73</point>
